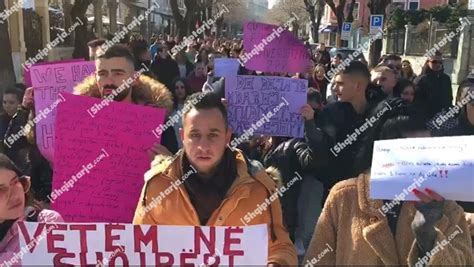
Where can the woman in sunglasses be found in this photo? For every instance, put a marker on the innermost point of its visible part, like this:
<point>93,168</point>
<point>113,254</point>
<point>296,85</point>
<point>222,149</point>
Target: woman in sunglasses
<point>14,201</point>
<point>433,92</point>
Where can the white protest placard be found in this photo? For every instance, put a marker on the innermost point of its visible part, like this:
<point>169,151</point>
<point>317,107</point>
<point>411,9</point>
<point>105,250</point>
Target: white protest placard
<point>224,67</point>
<point>83,244</point>
<point>442,164</point>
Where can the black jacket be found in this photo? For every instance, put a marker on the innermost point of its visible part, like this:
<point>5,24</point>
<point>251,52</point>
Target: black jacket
<point>41,175</point>
<point>30,159</point>
<point>290,158</point>
<point>433,92</point>
<point>166,70</point>
<point>4,123</point>
<point>461,126</point>
<point>168,139</point>
<point>336,156</point>
<point>17,148</point>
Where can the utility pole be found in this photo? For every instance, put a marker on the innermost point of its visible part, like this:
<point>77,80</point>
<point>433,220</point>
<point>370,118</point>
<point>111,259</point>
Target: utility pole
<point>430,30</point>
<point>149,21</point>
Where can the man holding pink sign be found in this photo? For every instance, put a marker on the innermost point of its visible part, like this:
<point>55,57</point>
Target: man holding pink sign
<point>114,68</point>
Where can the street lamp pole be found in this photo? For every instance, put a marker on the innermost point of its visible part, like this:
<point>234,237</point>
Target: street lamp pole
<point>149,21</point>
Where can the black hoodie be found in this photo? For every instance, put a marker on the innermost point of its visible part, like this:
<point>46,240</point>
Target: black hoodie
<point>433,92</point>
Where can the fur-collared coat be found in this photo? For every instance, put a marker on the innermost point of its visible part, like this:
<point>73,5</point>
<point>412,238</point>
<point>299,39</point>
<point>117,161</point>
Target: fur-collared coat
<point>352,231</point>
<point>148,92</point>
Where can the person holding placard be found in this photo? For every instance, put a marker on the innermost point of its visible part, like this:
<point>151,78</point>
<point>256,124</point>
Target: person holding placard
<point>208,183</point>
<point>363,231</point>
<point>344,130</point>
<point>114,67</point>
<point>14,198</point>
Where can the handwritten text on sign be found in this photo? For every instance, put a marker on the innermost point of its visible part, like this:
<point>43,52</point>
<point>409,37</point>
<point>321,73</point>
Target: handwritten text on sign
<point>282,54</point>
<point>109,192</point>
<point>251,97</point>
<point>143,245</point>
<point>48,82</point>
<point>27,71</point>
<point>443,164</point>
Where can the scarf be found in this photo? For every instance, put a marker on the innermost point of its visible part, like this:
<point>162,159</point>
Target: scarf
<point>207,194</point>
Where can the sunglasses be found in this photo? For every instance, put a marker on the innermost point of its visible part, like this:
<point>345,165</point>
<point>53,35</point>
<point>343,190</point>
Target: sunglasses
<point>5,191</point>
<point>436,61</point>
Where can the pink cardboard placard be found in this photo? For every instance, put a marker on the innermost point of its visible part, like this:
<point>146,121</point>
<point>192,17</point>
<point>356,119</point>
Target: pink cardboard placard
<point>101,161</point>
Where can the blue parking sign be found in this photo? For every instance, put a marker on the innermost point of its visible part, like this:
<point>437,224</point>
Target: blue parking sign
<point>346,31</point>
<point>346,26</point>
<point>376,23</point>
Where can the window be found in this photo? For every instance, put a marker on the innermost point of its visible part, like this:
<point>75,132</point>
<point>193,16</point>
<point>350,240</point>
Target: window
<point>355,13</point>
<point>398,6</point>
<point>413,5</point>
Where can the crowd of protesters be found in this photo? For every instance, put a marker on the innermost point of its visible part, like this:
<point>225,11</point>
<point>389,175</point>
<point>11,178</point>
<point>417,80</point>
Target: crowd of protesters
<point>329,207</point>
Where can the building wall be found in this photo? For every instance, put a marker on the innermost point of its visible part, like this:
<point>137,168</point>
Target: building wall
<point>364,13</point>
<point>257,8</point>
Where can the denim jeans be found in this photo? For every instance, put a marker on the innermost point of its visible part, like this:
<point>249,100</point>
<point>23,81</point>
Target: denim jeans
<point>309,208</point>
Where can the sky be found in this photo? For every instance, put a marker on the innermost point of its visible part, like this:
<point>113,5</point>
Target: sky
<point>271,3</point>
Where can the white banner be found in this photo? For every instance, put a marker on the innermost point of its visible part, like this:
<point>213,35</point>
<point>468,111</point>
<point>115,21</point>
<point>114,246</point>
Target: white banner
<point>442,164</point>
<point>82,244</point>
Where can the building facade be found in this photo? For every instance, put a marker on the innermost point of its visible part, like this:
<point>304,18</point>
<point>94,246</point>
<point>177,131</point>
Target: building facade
<point>361,15</point>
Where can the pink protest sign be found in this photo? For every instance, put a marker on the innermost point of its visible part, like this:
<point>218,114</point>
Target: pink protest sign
<point>265,105</point>
<point>27,73</point>
<point>101,160</point>
<point>49,81</point>
<point>270,48</point>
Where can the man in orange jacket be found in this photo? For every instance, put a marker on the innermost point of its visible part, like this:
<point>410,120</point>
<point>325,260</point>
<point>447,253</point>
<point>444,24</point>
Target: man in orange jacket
<point>209,184</point>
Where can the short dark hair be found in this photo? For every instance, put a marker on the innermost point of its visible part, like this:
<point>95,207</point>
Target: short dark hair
<point>357,68</point>
<point>96,43</point>
<point>118,51</point>
<point>397,127</point>
<point>402,84</point>
<point>201,100</point>
<point>21,86</point>
<point>8,164</point>
<point>313,95</point>
<point>392,57</point>
<point>14,91</point>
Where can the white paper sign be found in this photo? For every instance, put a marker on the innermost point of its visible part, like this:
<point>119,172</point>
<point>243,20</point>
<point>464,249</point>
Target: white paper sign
<point>442,164</point>
<point>142,245</point>
<point>224,67</point>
